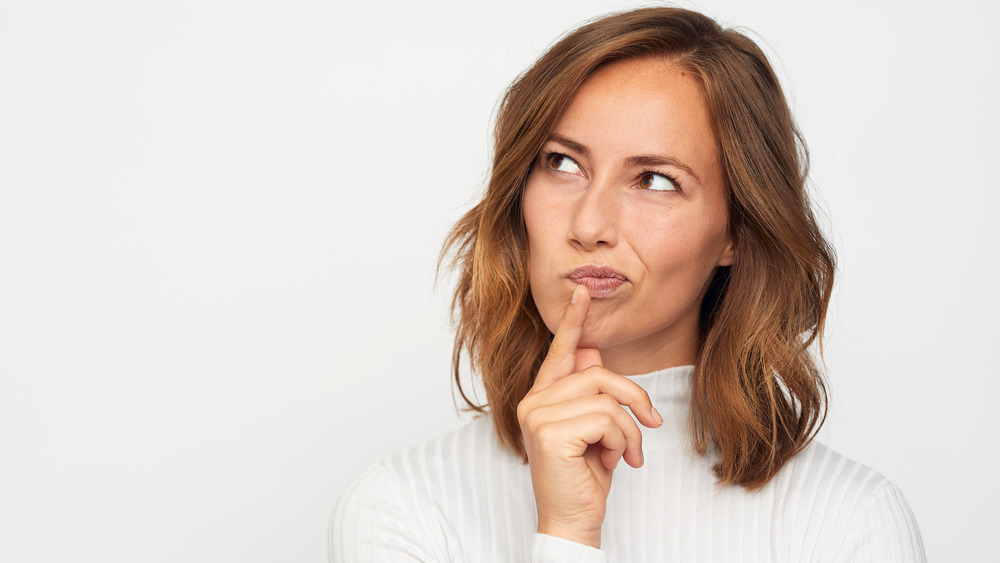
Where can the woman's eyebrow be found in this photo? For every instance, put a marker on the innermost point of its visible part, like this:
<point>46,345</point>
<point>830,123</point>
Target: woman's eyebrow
<point>646,160</point>
<point>570,144</point>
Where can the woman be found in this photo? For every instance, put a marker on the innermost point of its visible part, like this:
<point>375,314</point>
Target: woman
<point>645,242</point>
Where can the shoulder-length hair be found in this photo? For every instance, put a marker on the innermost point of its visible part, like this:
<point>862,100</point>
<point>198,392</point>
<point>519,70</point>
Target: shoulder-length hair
<point>756,394</point>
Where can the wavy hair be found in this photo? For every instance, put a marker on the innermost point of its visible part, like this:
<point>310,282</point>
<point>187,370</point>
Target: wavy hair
<point>757,396</point>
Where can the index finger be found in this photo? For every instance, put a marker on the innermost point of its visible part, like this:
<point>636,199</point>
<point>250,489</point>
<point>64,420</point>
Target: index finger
<point>561,357</point>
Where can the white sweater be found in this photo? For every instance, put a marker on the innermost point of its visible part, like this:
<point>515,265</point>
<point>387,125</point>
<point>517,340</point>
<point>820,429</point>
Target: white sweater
<point>463,498</point>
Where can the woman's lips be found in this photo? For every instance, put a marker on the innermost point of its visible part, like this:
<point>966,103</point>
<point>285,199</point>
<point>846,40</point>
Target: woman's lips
<point>601,281</point>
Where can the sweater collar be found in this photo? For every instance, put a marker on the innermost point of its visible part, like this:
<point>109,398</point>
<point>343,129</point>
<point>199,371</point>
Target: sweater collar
<point>670,391</point>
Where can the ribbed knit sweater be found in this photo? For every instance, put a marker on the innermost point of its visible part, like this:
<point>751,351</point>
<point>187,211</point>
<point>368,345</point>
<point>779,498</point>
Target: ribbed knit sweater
<point>462,497</point>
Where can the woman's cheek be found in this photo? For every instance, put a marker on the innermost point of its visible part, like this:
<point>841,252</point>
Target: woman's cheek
<point>541,295</point>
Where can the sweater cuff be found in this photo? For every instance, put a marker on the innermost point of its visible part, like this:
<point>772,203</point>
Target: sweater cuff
<point>550,549</point>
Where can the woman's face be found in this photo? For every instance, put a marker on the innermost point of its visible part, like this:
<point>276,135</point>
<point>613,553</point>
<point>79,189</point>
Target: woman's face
<point>627,198</point>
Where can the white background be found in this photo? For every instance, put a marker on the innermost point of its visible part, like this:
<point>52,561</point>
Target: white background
<point>219,223</point>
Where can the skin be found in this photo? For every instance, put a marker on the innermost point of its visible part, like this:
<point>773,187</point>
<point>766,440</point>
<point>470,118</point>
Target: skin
<point>589,202</point>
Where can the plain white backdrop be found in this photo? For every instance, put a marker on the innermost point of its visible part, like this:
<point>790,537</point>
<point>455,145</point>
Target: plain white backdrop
<point>219,224</point>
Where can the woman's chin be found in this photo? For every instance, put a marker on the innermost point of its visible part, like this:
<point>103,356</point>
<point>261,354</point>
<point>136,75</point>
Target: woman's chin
<point>596,339</point>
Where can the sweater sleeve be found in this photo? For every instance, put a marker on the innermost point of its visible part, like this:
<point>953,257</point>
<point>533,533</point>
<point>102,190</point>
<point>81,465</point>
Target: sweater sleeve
<point>550,549</point>
<point>883,530</point>
<point>372,523</point>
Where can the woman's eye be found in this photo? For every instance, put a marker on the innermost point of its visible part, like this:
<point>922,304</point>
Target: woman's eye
<point>563,163</point>
<point>657,182</point>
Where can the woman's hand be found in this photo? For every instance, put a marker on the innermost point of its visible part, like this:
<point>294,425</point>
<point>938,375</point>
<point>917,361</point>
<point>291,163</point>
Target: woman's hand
<point>576,430</point>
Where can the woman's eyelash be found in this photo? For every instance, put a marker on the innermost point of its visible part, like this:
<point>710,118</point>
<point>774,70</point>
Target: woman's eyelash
<point>673,179</point>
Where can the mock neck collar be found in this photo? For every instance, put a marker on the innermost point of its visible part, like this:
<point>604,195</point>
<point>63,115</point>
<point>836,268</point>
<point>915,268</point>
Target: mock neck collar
<point>670,391</point>
<point>667,385</point>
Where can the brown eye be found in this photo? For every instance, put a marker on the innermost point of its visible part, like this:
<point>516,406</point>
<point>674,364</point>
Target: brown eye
<point>657,182</point>
<point>562,163</point>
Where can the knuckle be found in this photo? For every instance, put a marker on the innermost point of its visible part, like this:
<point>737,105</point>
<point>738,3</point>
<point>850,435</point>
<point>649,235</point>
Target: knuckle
<point>522,411</point>
<point>531,422</point>
<point>606,419</point>
<point>641,393</point>
<point>556,349</point>
<point>638,391</point>
<point>635,438</point>
<point>607,401</point>
<point>598,376</point>
<point>545,435</point>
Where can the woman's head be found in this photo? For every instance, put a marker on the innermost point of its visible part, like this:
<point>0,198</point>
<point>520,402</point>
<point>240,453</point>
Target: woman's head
<point>627,197</point>
<point>752,292</point>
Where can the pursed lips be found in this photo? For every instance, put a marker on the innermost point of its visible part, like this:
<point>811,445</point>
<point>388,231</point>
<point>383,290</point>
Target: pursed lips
<point>600,281</point>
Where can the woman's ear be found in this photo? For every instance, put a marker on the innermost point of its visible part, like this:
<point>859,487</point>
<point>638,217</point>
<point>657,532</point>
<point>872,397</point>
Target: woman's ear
<point>728,254</point>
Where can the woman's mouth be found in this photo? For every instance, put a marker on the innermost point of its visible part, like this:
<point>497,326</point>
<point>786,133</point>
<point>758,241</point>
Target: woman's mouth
<point>601,281</point>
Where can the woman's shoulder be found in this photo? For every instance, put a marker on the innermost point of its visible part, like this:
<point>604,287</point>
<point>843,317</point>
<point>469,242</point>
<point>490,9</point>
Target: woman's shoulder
<point>437,463</point>
<point>845,506</point>
<point>465,459</point>
<point>416,500</point>
<point>819,471</point>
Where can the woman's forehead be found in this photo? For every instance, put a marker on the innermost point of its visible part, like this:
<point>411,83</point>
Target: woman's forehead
<point>639,107</point>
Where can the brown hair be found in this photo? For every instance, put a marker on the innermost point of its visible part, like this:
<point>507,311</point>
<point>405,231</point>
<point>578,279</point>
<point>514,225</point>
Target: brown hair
<point>757,394</point>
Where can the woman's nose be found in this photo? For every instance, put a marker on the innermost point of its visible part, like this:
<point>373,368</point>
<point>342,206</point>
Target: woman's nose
<point>595,218</point>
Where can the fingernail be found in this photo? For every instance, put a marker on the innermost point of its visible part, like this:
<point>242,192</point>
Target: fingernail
<point>576,290</point>
<point>656,416</point>
<point>642,458</point>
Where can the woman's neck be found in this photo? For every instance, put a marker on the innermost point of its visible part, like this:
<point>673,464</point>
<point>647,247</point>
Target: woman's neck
<point>653,353</point>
